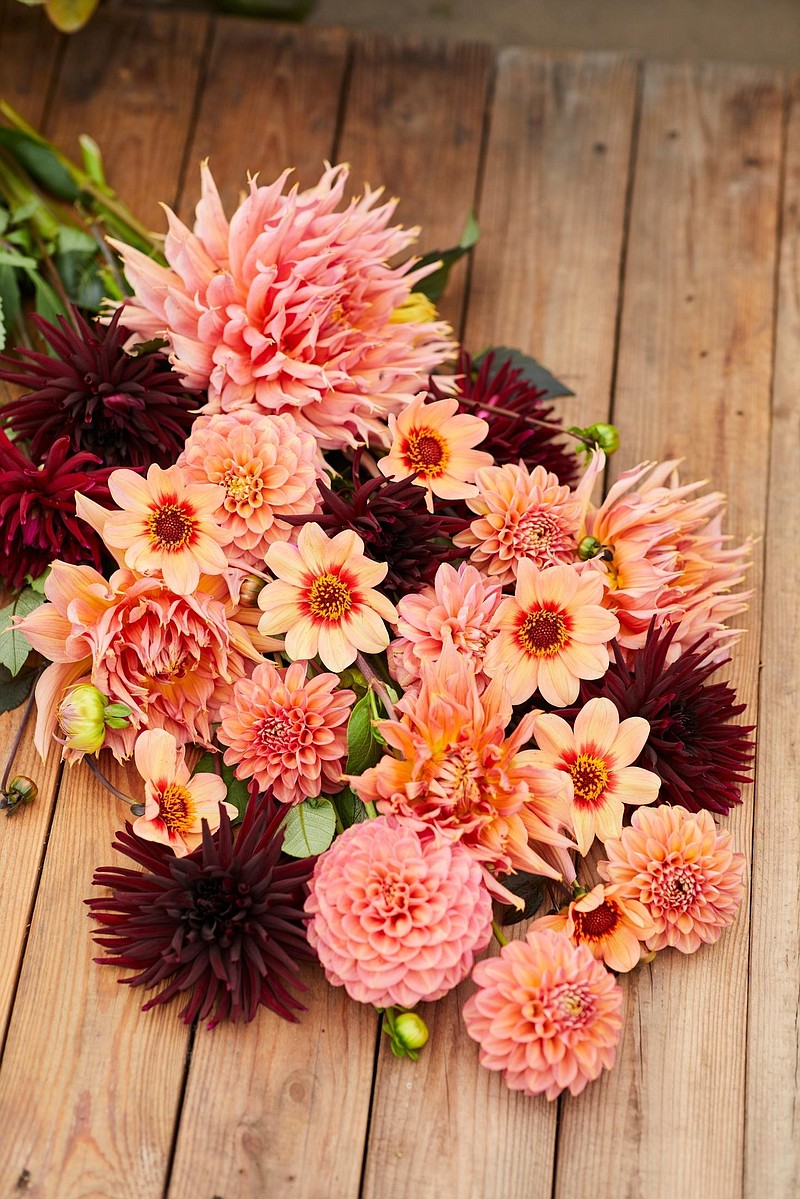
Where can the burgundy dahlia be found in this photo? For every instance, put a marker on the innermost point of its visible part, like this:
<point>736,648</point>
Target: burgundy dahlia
<point>37,510</point>
<point>128,410</point>
<point>224,925</point>
<point>392,520</point>
<point>701,757</point>
<point>521,426</point>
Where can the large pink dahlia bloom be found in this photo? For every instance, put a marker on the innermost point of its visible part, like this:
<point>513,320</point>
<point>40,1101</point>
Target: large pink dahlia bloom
<point>396,918</point>
<point>547,1014</point>
<point>269,469</point>
<point>287,732</point>
<point>288,307</point>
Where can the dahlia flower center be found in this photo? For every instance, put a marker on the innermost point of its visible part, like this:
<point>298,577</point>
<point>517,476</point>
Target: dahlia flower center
<point>176,808</point>
<point>242,488</point>
<point>218,908</point>
<point>278,733</point>
<point>535,532</point>
<point>329,598</point>
<point>170,527</point>
<point>676,889</point>
<point>570,1006</point>
<point>427,453</point>
<point>589,778</point>
<point>460,777</point>
<point>388,893</point>
<point>543,633</point>
<point>594,925</point>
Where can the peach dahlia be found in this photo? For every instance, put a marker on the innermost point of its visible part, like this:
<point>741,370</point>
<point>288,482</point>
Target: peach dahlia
<point>176,803</point>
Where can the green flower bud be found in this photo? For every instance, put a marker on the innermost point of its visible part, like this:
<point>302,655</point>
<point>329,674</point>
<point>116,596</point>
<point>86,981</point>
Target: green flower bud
<point>589,547</point>
<point>410,1030</point>
<point>250,591</point>
<point>20,790</point>
<point>606,436</point>
<point>84,713</point>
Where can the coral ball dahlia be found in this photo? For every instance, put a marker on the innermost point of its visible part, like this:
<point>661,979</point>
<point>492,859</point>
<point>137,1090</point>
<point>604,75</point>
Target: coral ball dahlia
<point>396,918</point>
<point>547,1014</point>
<point>288,307</point>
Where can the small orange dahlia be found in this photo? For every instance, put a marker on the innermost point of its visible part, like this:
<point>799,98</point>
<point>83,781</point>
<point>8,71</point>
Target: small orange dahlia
<point>324,598</point>
<point>547,1015</point>
<point>683,870</point>
<point>609,924</point>
<point>435,443</point>
<point>551,634</point>
<point>176,804</point>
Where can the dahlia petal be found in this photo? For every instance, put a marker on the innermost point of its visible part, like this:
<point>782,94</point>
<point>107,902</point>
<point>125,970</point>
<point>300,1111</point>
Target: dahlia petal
<point>49,692</point>
<point>597,724</point>
<point>156,755</point>
<point>302,640</point>
<point>633,785</point>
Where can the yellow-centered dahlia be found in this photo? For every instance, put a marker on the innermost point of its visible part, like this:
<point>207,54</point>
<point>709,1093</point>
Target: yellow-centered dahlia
<point>324,598</point>
<point>176,803</point>
<point>611,924</point>
<point>551,634</point>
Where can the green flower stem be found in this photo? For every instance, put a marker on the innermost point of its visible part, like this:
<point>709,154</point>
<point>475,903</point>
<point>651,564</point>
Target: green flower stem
<point>377,684</point>
<point>136,808</point>
<point>468,401</point>
<point>18,738</point>
<point>500,936</point>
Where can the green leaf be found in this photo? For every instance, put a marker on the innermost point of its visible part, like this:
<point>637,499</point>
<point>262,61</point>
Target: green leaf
<point>4,219</point>
<point>14,647</point>
<point>309,828</point>
<point>363,744</point>
<point>434,284</point>
<point>350,808</point>
<point>38,584</point>
<point>48,304</point>
<point>238,790</point>
<point>70,15</point>
<point>41,162</point>
<point>71,240</point>
<point>2,326</point>
<point>10,299</point>
<point>18,261</point>
<point>14,690</point>
<point>532,371</point>
<point>148,347</point>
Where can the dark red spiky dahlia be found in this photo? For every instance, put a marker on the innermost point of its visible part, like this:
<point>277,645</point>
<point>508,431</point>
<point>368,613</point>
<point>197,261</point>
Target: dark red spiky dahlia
<point>223,926</point>
<point>37,510</point>
<point>129,411</point>
<point>392,520</point>
<point>510,404</point>
<point>701,757</point>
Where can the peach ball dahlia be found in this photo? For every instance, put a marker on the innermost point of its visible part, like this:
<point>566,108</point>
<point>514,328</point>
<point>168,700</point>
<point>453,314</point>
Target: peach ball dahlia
<point>395,917</point>
<point>547,1014</point>
<point>268,468</point>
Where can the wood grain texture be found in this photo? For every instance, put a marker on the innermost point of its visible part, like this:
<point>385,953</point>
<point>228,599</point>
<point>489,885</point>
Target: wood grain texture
<point>89,1086</point>
<point>131,79</point>
<point>694,374</point>
<point>414,124</point>
<point>28,54</point>
<point>772,1148</point>
<point>280,1109</point>
<point>270,100</point>
<point>546,272</point>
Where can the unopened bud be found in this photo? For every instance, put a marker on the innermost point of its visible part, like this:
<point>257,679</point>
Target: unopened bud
<point>647,958</point>
<point>20,790</point>
<point>410,1030</point>
<point>415,307</point>
<point>250,591</point>
<point>588,548</point>
<point>606,436</point>
<point>83,715</point>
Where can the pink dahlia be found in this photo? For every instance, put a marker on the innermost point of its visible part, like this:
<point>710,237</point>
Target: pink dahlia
<point>396,918</point>
<point>522,514</point>
<point>460,608</point>
<point>547,1015</point>
<point>287,732</point>
<point>682,870</point>
<point>172,659</point>
<point>288,307</point>
<point>268,468</point>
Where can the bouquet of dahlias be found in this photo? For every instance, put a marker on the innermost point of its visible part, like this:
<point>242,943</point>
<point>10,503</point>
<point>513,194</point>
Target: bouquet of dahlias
<point>278,514</point>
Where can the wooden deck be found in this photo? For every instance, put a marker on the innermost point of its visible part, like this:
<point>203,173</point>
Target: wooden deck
<point>641,237</point>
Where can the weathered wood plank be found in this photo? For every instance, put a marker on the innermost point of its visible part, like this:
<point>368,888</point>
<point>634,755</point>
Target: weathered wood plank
<point>772,1148</point>
<point>296,1098</point>
<point>270,100</point>
<point>546,272</point>
<point>414,124</point>
<point>28,54</point>
<point>693,379</point>
<point>89,1086</point>
<point>445,1126</point>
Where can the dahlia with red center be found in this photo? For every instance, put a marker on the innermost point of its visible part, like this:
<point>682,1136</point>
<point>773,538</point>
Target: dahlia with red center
<point>611,925</point>
<point>396,918</point>
<point>38,521</point>
<point>176,803</point>
<point>287,732</point>
<point>546,1014</point>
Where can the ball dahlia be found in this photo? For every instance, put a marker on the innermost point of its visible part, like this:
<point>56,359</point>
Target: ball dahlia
<point>683,870</point>
<point>128,410</point>
<point>288,307</point>
<point>222,926</point>
<point>395,917</point>
<point>547,1014</point>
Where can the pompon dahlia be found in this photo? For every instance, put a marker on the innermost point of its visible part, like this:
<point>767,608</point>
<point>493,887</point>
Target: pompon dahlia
<point>683,870</point>
<point>510,405</point>
<point>223,926</point>
<point>128,410</point>
<point>392,519</point>
<point>38,521</point>
<point>288,307</point>
<point>547,1014</point>
<point>701,757</point>
<point>396,917</point>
